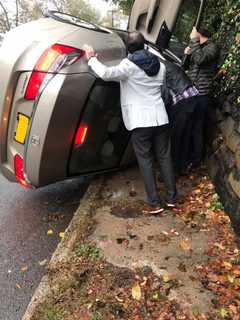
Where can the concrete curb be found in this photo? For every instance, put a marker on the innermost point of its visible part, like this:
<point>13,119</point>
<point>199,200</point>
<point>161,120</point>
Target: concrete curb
<point>65,246</point>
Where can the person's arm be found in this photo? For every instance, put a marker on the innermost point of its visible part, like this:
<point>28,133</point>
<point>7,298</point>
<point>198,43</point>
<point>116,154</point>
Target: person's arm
<point>203,55</point>
<point>119,72</point>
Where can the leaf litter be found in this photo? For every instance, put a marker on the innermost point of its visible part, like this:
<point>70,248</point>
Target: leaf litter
<point>90,288</point>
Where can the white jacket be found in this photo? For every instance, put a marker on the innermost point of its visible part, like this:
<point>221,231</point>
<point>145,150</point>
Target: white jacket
<point>141,102</point>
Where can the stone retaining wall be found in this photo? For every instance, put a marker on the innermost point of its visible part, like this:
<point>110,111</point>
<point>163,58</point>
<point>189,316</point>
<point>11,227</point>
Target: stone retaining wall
<point>224,159</point>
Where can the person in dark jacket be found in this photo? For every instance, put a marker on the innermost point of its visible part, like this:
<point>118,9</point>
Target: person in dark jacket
<point>180,110</point>
<point>204,56</point>
<point>141,75</point>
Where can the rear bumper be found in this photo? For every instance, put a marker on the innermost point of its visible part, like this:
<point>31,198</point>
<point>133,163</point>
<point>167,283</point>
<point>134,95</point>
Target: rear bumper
<point>54,119</point>
<point>11,96</point>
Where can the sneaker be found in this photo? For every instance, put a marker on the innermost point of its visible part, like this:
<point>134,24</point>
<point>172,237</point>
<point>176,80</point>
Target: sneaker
<point>170,204</point>
<point>148,209</point>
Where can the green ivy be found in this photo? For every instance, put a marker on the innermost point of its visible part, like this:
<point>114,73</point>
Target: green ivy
<point>223,18</point>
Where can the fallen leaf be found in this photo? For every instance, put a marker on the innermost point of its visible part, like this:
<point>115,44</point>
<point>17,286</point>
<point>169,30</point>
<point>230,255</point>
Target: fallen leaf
<point>216,278</point>
<point>230,279</point>
<point>236,272</point>
<point>119,299</point>
<point>219,245</point>
<point>207,204</point>
<point>195,312</point>
<point>227,265</point>
<point>24,269</point>
<point>155,296</point>
<point>145,280</point>
<point>166,278</point>
<point>136,292</point>
<point>165,233</point>
<point>185,245</point>
<point>233,309</point>
<point>61,235</point>
<point>89,306</point>
<point>18,286</point>
<point>43,262</point>
<point>182,267</point>
<point>199,267</point>
<point>223,313</point>
<point>49,232</point>
<point>198,191</point>
<point>238,38</point>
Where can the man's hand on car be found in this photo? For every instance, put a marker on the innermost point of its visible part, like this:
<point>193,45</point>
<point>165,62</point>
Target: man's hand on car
<point>89,51</point>
<point>194,34</point>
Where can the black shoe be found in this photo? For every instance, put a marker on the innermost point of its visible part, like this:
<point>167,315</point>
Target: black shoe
<point>193,165</point>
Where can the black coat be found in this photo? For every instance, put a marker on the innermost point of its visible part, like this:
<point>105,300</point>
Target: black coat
<point>176,78</point>
<point>203,65</point>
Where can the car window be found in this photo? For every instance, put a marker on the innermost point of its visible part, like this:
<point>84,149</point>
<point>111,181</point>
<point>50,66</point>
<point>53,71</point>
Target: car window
<point>186,19</point>
<point>76,21</point>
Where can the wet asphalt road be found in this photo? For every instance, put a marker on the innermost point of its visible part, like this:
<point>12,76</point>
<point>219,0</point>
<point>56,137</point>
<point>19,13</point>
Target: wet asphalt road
<point>25,218</point>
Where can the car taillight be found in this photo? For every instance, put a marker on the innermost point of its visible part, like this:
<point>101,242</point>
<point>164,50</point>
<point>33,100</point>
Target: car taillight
<point>18,166</point>
<point>34,85</point>
<point>81,134</point>
<point>50,61</point>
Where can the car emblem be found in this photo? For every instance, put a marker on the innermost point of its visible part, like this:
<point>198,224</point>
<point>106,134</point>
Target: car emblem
<point>35,140</point>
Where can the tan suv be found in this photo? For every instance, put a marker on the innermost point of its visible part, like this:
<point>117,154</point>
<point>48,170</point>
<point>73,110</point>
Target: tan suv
<point>57,119</point>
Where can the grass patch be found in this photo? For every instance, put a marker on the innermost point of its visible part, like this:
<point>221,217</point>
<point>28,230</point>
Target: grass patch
<point>216,204</point>
<point>87,250</point>
<point>97,316</point>
<point>54,313</point>
<point>66,284</point>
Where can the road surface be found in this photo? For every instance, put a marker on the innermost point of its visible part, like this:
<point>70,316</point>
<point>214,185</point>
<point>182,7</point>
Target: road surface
<point>26,218</point>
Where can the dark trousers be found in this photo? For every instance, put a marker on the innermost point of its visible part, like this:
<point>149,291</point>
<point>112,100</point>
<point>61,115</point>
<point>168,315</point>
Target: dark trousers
<point>150,142</point>
<point>181,120</point>
<point>198,130</point>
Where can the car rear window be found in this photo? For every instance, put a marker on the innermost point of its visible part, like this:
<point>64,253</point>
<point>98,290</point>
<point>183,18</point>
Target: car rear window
<point>186,19</point>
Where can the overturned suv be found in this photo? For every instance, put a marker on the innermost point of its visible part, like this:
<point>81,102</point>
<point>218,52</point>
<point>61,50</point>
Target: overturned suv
<point>57,119</point>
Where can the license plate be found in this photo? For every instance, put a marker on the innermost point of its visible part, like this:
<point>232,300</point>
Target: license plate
<point>22,127</point>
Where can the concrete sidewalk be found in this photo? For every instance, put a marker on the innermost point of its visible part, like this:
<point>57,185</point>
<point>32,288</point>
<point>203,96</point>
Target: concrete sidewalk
<point>160,257</point>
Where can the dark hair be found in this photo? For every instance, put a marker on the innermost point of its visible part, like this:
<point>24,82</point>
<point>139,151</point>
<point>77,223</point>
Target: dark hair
<point>135,41</point>
<point>205,32</point>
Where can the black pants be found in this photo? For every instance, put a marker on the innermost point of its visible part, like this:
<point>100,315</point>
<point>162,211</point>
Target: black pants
<point>150,142</point>
<point>181,119</point>
<point>198,130</point>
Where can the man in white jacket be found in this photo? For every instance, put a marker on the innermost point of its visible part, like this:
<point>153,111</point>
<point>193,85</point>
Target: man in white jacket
<point>141,76</point>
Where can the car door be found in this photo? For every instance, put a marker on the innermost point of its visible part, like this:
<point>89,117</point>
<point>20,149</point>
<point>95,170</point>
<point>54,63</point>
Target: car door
<point>102,138</point>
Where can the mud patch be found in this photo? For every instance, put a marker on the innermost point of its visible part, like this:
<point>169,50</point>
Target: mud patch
<point>126,212</point>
